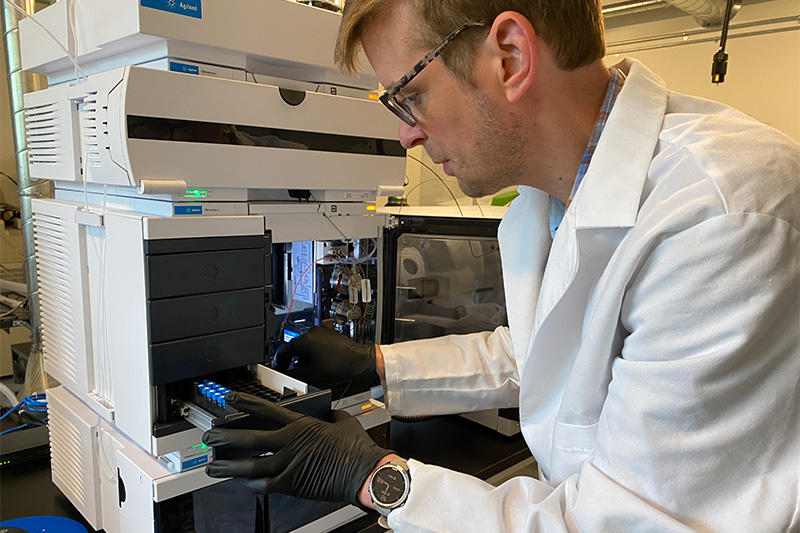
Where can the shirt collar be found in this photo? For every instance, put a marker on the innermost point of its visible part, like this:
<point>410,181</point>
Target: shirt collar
<point>611,191</point>
<point>614,86</point>
<point>557,207</point>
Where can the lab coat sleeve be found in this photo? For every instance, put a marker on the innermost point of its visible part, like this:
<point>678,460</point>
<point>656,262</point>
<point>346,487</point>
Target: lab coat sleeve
<point>443,501</point>
<point>700,429</point>
<point>452,374</point>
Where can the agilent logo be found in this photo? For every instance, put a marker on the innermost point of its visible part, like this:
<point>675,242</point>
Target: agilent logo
<point>187,210</point>
<point>189,8</point>
<point>174,66</point>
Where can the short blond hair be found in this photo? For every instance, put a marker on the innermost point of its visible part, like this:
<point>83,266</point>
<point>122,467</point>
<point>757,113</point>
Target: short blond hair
<point>573,29</point>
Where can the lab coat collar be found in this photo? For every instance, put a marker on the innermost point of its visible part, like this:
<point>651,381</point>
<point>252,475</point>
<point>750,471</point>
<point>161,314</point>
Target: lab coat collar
<point>611,191</point>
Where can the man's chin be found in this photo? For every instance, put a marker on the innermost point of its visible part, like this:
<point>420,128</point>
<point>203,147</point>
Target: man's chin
<point>473,189</point>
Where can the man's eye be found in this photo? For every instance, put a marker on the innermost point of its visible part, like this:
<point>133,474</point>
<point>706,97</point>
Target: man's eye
<point>411,99</point>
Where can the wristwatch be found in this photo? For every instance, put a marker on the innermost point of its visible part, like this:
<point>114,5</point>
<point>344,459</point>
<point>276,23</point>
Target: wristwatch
<point>389,486</point>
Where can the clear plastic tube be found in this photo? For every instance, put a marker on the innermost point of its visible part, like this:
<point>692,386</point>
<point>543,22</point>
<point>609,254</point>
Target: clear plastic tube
<point>79,74</point>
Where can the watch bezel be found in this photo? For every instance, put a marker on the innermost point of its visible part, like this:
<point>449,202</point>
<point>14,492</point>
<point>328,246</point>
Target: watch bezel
<point>406,479</point>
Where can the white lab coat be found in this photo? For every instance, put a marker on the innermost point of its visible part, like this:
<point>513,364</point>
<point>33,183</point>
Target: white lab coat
<point>656,358</point>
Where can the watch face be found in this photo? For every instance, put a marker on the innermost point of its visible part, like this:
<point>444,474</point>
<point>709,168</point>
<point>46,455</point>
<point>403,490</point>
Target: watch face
<point>388,486</point>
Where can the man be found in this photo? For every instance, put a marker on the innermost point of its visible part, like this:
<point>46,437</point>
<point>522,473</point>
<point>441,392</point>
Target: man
<point>652,280</point>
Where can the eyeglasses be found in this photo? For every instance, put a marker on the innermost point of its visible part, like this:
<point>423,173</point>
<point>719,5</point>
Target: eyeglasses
<point>392,98</point>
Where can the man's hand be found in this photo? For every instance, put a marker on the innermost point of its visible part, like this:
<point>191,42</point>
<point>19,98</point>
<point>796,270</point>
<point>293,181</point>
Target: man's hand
<point>323,357</point>
<point>310,458</point>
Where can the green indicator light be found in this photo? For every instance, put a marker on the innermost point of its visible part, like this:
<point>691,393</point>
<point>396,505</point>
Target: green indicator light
<point>203,446</point>
<point>195,193</point>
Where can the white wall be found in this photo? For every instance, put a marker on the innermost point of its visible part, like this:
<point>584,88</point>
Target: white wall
<point>763,77</point>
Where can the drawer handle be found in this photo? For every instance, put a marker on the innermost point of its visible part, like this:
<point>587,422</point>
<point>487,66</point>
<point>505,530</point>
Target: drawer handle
<point>211,314</point>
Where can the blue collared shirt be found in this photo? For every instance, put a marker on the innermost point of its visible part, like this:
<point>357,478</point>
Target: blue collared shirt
<point>557,207</point>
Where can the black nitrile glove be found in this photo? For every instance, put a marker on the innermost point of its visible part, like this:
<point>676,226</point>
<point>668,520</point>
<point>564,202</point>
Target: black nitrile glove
<point>310,458</point>
<point>324,357</point>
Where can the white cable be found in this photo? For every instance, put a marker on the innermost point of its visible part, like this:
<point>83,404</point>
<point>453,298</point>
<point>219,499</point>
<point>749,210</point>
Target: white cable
<point>8,393</point>
<point>85,191</point>
<point>104,460</point>
<point>100,385</point>
<point>104,303</point>
<point>74,27</point>
<point>78,69</point>
<point>85,158</point>
<point>363,259</point>
<point>101,357</point>
<point>14,307</point>
<point>42,372</point>
<point>105,356</point>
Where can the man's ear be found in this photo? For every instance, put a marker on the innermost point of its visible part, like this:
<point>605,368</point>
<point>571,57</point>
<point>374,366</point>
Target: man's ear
<point>515,53</point>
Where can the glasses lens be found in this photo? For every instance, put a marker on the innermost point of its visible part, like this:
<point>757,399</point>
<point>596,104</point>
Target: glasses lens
<point>401,111</point>
<point>404,112</point>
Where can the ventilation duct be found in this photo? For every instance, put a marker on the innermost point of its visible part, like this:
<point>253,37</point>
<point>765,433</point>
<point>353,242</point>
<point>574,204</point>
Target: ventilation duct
<point>707,13</point>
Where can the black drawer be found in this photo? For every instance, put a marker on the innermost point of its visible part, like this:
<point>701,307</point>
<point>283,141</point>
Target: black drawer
<point>190,358</point>
<point>192,316</point>
<point>200,273</point>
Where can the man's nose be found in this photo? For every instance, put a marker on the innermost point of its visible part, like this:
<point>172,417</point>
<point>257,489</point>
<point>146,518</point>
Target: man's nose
<point>411,136</point>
